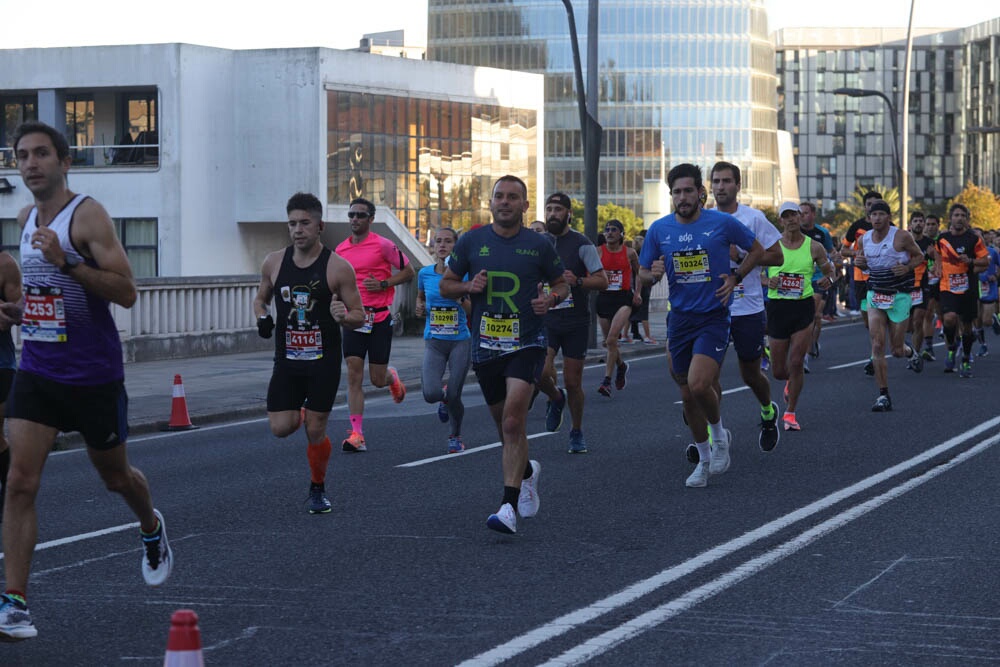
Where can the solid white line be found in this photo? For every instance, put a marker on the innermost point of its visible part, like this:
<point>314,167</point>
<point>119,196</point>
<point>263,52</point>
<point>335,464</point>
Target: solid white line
<point>473,450</point>
<point>608,640</point>
<point>854,363</point>
<point>724,393</point>
<point>573,619</point>
<point>83,536</point>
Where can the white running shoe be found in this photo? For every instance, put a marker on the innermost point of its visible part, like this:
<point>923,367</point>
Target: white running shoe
<point>157,557</point>
<point>504,521</point>
<point>720,454</point>
<point>528,501</point>
<point>699,477</point>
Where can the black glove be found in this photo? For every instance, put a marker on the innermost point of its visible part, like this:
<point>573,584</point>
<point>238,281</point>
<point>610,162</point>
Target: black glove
<point>265,326</point>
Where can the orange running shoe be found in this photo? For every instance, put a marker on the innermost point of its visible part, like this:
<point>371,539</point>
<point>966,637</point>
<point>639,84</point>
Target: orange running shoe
<point>355,442</point>
<point>790,423</point>
<point>396,386</point>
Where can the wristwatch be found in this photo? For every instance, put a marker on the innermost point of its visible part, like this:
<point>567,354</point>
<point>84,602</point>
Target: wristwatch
<point>384,284</point>
<point>579,282</point>
<point>70,263</point>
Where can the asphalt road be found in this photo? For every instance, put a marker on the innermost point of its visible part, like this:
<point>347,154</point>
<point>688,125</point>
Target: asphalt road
<point>863,539</point>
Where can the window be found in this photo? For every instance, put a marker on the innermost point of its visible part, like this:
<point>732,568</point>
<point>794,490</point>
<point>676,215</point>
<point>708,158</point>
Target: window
<point>139,237</point>
<point>16,110</point>
<point>10,238</point>
<point>80,127</point>
<point>136,128</point>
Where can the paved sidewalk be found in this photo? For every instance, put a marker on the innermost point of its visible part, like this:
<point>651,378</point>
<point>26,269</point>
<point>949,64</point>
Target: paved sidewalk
<point>234,386</point>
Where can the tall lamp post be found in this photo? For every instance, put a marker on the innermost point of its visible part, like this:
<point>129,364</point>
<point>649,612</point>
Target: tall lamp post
<point>589,127</point>
<point>864,92</point>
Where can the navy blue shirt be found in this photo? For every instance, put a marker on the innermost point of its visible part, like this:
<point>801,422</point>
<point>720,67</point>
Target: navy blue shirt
<point>502,318</point>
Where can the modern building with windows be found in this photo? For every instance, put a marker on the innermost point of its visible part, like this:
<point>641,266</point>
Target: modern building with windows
<point>842,142</point>
<point>195,150</point>
<point>679,82</point>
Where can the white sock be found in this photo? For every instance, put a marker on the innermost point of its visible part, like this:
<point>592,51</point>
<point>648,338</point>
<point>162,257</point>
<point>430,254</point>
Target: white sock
<point>704,451</point>
<point>716,430</point>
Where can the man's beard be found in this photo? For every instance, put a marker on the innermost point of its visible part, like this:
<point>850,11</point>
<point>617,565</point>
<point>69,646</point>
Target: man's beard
<point>556,226</point>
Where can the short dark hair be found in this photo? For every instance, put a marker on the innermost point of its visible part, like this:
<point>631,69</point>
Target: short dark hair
<point>510,178</point>
<point>367,204</point>
<point>809,205</point>
<point>871,194</point>
<point>931,216</point>
<point>961,207</point>
<point>304,201</point>
<point>916,214</point>
<point>35,127</point>
<point>722,166</point>
<point>685,170</point>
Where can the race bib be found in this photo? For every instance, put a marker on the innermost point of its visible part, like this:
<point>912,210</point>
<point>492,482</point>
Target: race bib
<point>881,300</point>
<point>615,280</point>
<point>958,283</point>
<point>366,326</point>
<point>500,332</point>
<point>44,318</point>
<point>444,321</point>
<point>303,345</point>
<point>567,303</point>
<point>790,285</point>
<point>916,297</point>
<point>984,288</point>
<point>691,266</point>
<point>739,291</point>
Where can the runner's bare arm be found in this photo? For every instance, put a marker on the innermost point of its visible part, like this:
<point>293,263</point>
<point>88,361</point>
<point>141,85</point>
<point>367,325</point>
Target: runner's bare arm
<point>93,232</point>
<point>344,284</point>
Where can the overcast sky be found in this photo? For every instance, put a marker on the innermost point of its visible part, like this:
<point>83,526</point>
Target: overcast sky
<point>340,23</point>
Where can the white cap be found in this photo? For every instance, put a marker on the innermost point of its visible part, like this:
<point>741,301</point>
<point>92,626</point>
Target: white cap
<point>788,206</point>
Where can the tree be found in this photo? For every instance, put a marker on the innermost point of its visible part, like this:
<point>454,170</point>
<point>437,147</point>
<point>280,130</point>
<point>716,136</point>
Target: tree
<point>633,223</point>
<point>983,205</point>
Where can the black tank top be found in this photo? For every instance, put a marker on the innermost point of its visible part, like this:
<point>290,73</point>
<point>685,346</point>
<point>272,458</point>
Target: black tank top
<point>304,330</point>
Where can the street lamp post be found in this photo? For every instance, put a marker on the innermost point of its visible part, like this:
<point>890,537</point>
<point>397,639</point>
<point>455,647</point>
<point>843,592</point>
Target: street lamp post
<point>589,127</point>
<point>864,92</point>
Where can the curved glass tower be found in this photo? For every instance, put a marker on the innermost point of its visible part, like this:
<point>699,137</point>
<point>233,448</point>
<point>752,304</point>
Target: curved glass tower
<point>680,81</point>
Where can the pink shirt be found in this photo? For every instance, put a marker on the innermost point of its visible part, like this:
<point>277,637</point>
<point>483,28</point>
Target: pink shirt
<point>375,256</point>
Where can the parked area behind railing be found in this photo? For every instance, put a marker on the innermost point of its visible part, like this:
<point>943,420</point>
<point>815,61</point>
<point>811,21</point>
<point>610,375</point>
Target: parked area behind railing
<point>175,318</point>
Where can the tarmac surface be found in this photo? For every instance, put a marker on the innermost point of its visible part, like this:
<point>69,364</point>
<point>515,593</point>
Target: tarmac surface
<point>234,386</point>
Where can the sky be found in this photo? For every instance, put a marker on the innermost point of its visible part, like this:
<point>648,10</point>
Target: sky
<point>341,23</point>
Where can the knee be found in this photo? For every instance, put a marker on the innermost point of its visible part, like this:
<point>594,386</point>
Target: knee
<point>700,387</point>
<point>512,426</point>
<point>878,347</point>
<point>23,482</point>
<point>117,481</point>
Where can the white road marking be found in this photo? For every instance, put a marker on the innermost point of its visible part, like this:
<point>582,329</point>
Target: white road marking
<point>854,363</point>
<point>630,594</point>
<point>83,536</point>
<point>608,640</point>
<point>471,450</point>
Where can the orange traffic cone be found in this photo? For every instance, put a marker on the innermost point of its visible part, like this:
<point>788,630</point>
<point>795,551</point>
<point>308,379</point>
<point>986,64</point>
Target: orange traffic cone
<point>184,641</point>
<point>179,419</point>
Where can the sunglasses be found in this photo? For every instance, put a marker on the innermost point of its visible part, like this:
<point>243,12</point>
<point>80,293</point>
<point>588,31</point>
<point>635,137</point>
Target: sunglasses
<point>356,214</point>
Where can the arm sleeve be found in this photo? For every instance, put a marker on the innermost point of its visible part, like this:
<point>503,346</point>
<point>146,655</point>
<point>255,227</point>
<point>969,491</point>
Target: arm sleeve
<point>590,258</point>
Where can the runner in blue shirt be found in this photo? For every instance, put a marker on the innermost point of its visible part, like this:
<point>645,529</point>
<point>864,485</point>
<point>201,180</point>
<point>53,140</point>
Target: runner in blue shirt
<point>697,243</point>
<point>447,334</point>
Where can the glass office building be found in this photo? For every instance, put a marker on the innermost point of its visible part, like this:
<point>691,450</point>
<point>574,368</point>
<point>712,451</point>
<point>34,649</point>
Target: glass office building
<point>843,143</point>
<point>432,161</point>
<point>678,82</point>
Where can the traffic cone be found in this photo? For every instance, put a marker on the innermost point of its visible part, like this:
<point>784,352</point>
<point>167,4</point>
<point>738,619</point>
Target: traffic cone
<point>184,641</point>
<point>179,419</point>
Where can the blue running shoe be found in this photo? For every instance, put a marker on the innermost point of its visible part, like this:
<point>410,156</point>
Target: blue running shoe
<point>576,443</point>
<point>455,444</point>
<point>443,412</point>
<point>554,413</point>
<point>318,503</point>
<point>949,362</point>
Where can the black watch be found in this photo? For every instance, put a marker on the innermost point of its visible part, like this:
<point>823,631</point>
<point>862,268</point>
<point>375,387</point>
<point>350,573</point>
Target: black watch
<point>579,282</point>
<point>384,284</point>
<point>70,263</point>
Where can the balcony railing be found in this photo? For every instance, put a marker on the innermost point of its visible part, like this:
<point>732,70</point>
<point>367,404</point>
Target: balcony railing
<point>107,155</point>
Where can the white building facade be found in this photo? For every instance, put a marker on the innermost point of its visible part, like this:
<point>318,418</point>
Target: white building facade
<point>195,150</point>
